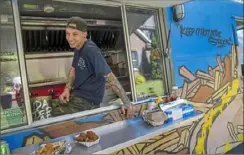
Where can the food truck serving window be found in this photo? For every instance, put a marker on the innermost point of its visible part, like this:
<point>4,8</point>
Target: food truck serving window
<point>47,57</point>
<point>12,103</point>
<point>45,46</point>
<point>144,40</point>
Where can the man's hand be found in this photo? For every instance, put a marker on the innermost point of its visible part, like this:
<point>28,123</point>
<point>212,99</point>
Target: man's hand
<point>64,97</point>
<point>128,110</point>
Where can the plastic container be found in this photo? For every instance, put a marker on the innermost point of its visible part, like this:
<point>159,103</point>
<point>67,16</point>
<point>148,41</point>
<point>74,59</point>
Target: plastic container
<point>175,92</point>
<point>4,148</point>
<point>180,111</point>
<point>165,106</point>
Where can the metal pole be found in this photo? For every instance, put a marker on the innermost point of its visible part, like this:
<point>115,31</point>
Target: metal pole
<point>162,37</point>
<point>22,61</point>
<point>169,73</point>
<point>128,53</point>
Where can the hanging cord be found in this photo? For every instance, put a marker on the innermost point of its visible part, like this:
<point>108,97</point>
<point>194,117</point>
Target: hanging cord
<point>167,41</point>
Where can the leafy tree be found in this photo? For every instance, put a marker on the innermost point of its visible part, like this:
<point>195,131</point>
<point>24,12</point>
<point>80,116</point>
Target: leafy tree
<point>155,60</point>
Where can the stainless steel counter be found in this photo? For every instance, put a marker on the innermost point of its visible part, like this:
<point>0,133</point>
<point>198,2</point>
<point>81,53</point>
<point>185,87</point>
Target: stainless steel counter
<point>118,135</point>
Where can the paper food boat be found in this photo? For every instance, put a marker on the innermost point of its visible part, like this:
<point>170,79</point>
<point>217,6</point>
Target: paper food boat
<point>153,123</point>
<point>64,148</point>
<point>89,144</point>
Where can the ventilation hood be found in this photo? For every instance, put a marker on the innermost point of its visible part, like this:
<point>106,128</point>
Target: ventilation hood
<point>150,3</point>
<point>61,22</point>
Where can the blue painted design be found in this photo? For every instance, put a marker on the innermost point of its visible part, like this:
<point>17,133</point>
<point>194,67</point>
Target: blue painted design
<point>94,118</point>
<point>196,52</point>
<point>16,140</point>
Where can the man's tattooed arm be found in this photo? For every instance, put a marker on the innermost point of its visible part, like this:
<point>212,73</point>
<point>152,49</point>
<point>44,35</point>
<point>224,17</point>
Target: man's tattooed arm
<point>116,86</point>
<point>70,79</point>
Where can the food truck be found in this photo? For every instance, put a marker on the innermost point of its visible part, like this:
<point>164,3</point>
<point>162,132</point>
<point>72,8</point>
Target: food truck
<point>179,65</point>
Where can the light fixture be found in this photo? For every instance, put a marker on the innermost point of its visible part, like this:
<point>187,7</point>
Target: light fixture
<point>48,8</point>
<point>178,12</point>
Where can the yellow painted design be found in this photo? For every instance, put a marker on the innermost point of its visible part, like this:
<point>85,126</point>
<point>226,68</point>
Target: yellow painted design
<point>149,146</point>
<point>221,114</point>
<point>226,98</point>
<point>159,142</point>
<point>227,147</point>
<point>211,133</point>
<point>127,151</point>
<point>241,138</point>
<point>140,146</point>
<point>33,140</point>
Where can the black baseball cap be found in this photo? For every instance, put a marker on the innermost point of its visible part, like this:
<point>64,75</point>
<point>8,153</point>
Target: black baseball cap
<point>77,23</point>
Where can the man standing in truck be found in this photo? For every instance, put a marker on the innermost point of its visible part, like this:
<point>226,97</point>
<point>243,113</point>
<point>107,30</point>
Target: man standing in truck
<point>85,85</point>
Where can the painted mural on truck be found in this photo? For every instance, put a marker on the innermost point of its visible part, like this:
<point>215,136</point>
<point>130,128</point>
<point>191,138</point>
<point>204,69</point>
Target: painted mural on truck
<point>207,72</point>
<point>45,133</point>
<point>217,93</point>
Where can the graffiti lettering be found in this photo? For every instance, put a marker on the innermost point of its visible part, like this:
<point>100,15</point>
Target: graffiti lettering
<point>214,36</point>
<point>207,32</point>
<point>42,109</point>
<point>186,31</point>
<point>219,42</point>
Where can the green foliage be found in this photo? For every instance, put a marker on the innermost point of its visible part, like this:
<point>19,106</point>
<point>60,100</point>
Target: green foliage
<point>155,60</point>
<point>154,43</point>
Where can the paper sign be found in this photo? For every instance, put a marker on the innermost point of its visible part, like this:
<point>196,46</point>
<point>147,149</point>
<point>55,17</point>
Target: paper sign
<point>177,114</point>
<point>11,117</point>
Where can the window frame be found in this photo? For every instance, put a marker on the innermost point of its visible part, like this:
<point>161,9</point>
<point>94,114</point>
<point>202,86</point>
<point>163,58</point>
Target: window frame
<point>161,25</point>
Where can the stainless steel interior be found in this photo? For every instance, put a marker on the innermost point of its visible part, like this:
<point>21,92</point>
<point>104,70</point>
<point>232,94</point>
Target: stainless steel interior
<point>48,34</point>
<point>43,31</point>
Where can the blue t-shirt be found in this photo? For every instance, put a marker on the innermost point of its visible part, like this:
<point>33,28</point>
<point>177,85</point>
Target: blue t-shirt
<point>90,69</point>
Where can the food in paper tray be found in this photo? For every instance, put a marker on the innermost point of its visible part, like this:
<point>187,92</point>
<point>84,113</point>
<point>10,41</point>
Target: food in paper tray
<point>153,117</point>
<point>88,139</point>
<point>91,136</point>
<point>156,116</point>
<point>53,148</point>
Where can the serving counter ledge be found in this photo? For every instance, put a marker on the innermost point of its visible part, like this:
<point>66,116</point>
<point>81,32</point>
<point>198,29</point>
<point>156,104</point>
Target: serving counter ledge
<point>118,135</point>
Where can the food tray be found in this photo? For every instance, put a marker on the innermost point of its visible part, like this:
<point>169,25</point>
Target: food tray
<point>89,144</point>
<point>144,114</point>
<point>65,148</point>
